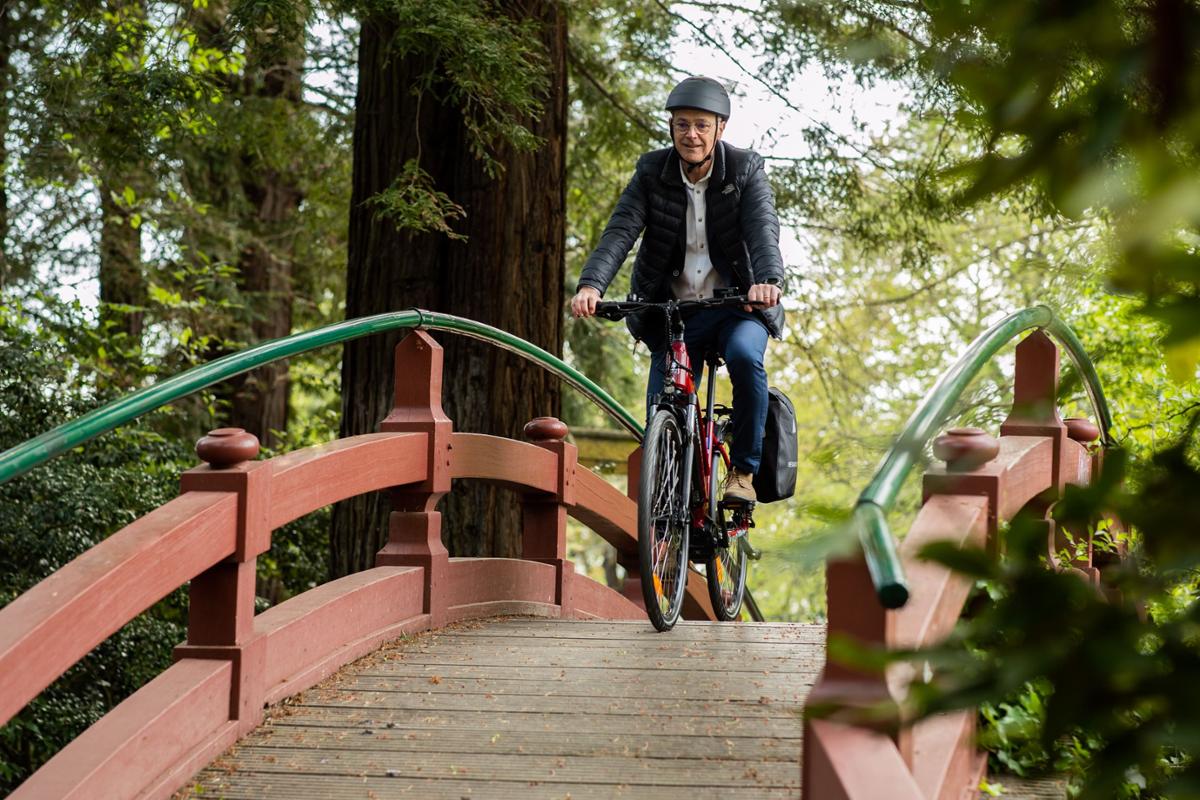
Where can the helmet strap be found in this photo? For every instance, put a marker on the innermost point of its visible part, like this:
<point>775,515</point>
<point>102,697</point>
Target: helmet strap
<point>691,165</point>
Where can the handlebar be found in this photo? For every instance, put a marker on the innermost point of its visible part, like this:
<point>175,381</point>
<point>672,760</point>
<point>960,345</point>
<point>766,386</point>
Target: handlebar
<point>619,309</point>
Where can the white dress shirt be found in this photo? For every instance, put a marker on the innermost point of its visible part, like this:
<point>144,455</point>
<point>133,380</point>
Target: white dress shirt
<point>698,279</point>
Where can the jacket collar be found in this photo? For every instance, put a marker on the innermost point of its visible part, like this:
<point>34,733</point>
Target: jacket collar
<point>670,171</point>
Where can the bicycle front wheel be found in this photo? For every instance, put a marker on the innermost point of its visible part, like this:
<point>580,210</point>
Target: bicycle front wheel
<point>662,520</point>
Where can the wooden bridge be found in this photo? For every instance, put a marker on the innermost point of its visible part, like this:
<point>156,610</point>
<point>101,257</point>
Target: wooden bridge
<point>504,677</point>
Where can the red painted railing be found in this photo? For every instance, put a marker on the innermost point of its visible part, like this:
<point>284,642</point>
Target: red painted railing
<point>235,662</point>
<point>984,483</point>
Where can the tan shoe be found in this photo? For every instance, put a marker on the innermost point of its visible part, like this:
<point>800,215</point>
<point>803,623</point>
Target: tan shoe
<point>739,487</point>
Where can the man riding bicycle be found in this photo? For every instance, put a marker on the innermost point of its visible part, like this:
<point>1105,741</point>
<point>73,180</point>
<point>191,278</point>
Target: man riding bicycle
<point>709,225</point>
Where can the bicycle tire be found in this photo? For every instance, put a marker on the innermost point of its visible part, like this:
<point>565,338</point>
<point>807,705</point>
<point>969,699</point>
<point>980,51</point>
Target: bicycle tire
<point>662,526</point>
<point>725,570</point>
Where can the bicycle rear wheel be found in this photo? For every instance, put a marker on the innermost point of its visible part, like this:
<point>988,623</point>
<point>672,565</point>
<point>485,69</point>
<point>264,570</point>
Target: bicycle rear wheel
<point>662,522</point>
<point>727,567</point>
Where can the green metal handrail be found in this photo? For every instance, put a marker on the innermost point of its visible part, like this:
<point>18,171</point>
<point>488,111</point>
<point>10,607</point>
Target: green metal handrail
<point>31,453</point>
<point>869,517</point>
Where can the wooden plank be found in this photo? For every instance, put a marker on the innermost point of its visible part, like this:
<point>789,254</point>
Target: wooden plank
<point>478,740</point>
<point>599,674</point>
<point>681,724</point>
<point>640,685</point>
<point>583,707</point>
<point>647,644</point>
<point>693,658</point>
<point>595,629</point>
<point>626,651</point>
<point>486,767</point>
<point>632,661</point>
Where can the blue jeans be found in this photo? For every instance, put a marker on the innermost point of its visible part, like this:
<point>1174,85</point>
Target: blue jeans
<point>741,339</point>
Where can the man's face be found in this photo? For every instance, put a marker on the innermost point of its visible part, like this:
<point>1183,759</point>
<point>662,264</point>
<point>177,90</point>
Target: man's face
<point>694,133</point>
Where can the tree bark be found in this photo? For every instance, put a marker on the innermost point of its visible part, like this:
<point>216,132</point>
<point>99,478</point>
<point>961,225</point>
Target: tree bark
<point>258,400</point>
<point>509,273</point>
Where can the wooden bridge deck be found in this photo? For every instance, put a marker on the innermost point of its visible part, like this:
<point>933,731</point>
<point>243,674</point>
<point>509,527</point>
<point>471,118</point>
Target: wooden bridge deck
<point>534,708</point>
<point>539,708</point>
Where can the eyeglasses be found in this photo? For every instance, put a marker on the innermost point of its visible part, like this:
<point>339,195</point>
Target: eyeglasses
<point>701,127</point>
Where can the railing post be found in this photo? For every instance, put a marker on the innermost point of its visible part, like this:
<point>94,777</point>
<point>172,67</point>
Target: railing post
<point>544,518</point>
<point>967,453</point>
<point>221,599</point>
<point>632,587</point>
<point>1035,400</point>
<point>854,613</point>
<point>414,527</point>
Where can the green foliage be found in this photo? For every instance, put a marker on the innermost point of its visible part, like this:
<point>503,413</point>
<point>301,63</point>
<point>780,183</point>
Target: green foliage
<point>489,66</point>
<point>1113,684</point>
<point>1093,102</point>
<point>122,86</point>
<point>412,203</point>
<point>615,55</point>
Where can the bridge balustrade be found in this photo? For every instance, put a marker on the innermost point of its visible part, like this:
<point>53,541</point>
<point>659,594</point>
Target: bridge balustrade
<point>234,661</point>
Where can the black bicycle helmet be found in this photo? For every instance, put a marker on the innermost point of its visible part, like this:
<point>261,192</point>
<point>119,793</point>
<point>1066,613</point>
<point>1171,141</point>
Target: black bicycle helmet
<point>705,94</point>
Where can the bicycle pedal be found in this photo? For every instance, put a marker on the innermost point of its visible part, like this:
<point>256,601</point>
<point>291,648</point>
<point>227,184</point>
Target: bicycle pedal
<point>748,550</point>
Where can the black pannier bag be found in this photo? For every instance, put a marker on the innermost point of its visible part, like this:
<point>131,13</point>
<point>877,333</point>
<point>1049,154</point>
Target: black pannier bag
<point>776,477</point>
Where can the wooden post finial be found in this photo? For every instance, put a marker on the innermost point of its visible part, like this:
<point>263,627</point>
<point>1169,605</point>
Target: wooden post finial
<point>546,429</point>
<point>964,449</point>
<point>227,447</point>
<point>1082,430</point>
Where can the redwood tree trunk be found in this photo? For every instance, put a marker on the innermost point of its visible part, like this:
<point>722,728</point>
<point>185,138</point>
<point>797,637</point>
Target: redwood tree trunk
<point>258,400</point>
<point>509,273</point>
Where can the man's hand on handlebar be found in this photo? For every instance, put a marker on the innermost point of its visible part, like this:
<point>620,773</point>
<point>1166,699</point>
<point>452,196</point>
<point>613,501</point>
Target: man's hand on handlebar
<point>762,295</point>
<point>583,304</point>
<point>587,300</point>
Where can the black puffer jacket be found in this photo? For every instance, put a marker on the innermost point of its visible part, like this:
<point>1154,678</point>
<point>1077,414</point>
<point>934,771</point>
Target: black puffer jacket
<point>742,231</point>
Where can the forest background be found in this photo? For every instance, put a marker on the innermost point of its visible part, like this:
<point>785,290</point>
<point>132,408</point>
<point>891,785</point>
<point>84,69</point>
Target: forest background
<point>182,180</point>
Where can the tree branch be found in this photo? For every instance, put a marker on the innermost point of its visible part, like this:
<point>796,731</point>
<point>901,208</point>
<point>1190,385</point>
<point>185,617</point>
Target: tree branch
<point>720,46</point>
<point>577,64</point>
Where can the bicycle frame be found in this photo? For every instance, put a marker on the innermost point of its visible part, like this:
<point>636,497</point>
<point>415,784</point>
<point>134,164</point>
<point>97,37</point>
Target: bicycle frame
<point>701,429</point>
<point>682,381</point>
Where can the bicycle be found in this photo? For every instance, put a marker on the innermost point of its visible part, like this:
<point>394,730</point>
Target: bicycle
<point>685,455</point>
